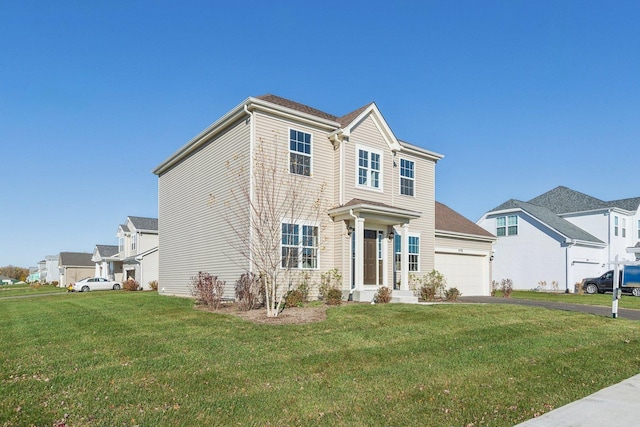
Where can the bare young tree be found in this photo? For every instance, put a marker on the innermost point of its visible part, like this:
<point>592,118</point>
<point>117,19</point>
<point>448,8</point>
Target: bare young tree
<point>269,204</point>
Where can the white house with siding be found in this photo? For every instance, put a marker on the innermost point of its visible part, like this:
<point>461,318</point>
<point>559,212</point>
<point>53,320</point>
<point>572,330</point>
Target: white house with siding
<point>378,196</point>
<point>561,236</point>
<point>137,250</point>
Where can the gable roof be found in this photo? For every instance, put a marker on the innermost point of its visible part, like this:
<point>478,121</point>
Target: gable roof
<point>449,220</point>
<point>565,200</point>
<point>75,259</point>
<point>631,204</point>
<point>144,224</point>
<point>106,251</point>
<point>546,216</point>
<point>283,102</point>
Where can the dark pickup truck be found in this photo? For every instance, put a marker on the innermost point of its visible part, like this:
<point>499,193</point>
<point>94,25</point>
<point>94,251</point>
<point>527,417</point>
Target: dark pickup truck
<point>604,284</point>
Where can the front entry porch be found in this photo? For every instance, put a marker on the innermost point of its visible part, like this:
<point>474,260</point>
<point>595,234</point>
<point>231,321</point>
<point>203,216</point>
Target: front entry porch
<point>371,228</point>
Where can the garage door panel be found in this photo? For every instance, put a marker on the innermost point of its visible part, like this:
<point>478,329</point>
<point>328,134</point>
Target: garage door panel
<point>465,272</point>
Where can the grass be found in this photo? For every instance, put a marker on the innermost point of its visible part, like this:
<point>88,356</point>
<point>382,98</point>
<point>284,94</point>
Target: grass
<point>7,291</point>
<point>125,358</point>
<point>627,301</point>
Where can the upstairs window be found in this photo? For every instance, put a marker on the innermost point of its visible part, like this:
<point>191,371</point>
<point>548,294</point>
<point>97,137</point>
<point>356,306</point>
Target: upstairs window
<point>507,225</point>
<point>407,177</point>
<point>299,152</point>
<point>369,168</point>
<point>624,227</point>
<point>134,241</point>
<point>615,225</point>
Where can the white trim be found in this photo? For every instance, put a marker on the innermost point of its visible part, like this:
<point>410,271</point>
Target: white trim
<point>369,150</point>
<point>298,152</point>
<point>300,224</point>
<point>400,177</point>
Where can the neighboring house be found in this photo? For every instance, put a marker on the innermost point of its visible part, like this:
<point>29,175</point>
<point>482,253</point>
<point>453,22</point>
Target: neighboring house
<point>74,266</point>
<point>561,236</point>
<point>107,262</point>
<point>34,275</point>
<point>4,280</point>
<point>379,223</point>
<point>138,249</point>
<point>463,252</point>
<point>51,265</point>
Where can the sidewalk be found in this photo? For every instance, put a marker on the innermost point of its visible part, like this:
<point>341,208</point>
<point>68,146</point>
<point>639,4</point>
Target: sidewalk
<point>617,405</point>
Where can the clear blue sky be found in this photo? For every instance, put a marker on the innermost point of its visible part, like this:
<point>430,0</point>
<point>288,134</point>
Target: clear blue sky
<point>520,97</point>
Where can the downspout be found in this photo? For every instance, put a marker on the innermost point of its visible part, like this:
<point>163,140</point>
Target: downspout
<point>251,189</point>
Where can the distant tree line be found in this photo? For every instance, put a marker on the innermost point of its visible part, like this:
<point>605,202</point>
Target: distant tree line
<point>14,272</point>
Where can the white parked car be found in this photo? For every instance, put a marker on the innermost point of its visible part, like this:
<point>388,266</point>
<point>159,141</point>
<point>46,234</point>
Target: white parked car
<point>96,284</point>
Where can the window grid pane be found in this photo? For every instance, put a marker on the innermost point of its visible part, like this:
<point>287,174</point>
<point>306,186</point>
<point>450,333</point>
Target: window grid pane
<point>406,177</point>
<point>299,246</point>
<point>300,157</point>
<point>369,165</point>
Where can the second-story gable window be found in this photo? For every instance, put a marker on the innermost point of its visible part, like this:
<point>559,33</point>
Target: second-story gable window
<point>507,225</point>
<point>120,244</point>
<point>624,227</point>
<point>134,241</point>
<point>615,226</point>
<point>369,168</point>
<point>407,177</point>
<point>299,152</point>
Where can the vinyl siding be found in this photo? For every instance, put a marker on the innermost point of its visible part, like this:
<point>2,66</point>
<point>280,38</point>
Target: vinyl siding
<point>366,134</point>
<point>273,133</point>
<point>194,196</point>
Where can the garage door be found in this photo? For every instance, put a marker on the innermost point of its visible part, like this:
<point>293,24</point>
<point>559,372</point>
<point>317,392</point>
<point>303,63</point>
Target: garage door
<point>465,272</point>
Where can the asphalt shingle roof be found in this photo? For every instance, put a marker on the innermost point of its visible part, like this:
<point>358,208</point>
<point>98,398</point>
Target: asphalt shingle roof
<point>449,220</point>
<point>75,259</point>
<point>107,250</point>
<point>141,223</point>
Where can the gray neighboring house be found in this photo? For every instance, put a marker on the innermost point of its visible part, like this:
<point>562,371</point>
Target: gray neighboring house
<point>138,250</point>
<point>561,237</point>
<point>74,266</point>
<point>108,263</point>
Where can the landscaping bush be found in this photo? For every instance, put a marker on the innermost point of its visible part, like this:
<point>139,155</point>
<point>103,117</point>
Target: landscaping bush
<point>293,298</point>
<point>330,280</point>
<point>436,280</point>
<point>249,291</point>
<point>428,293</point>
<point>207,289</point>
<point>452,294</point>
<point>304,286</point>
<point>130,285</point>
<point>494,287</point>
<point>55,283</point>
<point>153,285</point>
<point>506,286</point>
<point>334,296</point>
<point>383,296</point>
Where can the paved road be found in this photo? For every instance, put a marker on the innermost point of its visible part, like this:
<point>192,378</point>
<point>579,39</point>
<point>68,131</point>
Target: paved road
<point>598,310</point>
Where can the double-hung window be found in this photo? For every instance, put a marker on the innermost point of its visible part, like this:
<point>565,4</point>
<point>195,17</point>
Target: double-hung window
<point>507,225</point>
<point>615,225</point>
<point>369,168</point>
<point>299,246</point>
<point>407,177</point>
<point>413,251</point>
<point>299,152</point>
<point>624,227</point>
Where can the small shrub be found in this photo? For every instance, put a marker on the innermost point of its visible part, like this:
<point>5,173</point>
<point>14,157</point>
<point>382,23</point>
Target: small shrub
<point>554,285</point>
<point>249,292</point>
<point>130,285</point>
<point>428,293</point>
<point>383,296</point>
<point>55,283</point>
<point>304,285</point>
<point>329,280</point>
<point>153,285</point>
<point>506,286</point>
<point>494,287</point>
<point>452,294</point>
<point>293,298</point>
<point>207,289</point>
<point>437,281</point>
<point>578,288</point>
<point>35,285</point>
<point>334,296</point>
<point>542,284</point>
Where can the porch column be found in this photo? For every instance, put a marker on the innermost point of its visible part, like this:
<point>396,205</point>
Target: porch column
<point>359,255</point>
<point>404,259</point>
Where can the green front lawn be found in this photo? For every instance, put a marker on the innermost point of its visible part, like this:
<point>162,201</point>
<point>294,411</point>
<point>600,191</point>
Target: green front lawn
<point>25,290</point>
<point>627,301</point>
<point>137,358</point>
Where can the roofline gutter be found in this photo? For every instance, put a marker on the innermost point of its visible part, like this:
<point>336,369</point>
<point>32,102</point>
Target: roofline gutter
<point>248,105</point>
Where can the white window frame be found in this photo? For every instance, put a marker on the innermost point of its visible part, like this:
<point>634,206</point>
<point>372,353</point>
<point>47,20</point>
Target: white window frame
<point>369,171</point>
<point>411,179</point>
<point>134,241</point>
<point>300,153</point>
<point>624,227</point>
<point>615,226</point>
<point>507,226</point>
<point>397,252</point>
<point>299,244</point>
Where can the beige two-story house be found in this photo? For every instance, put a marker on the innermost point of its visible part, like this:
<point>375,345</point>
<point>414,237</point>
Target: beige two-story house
<point>138,250</point>
<point>376,193</point>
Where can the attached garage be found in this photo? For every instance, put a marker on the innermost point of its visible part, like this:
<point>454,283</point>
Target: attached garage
<point>463,252</point>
